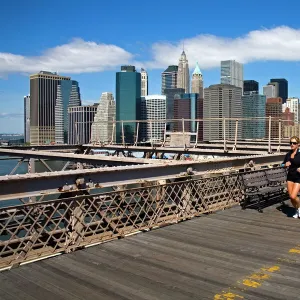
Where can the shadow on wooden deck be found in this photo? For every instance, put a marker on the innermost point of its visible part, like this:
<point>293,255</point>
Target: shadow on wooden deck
<point>232,254</point>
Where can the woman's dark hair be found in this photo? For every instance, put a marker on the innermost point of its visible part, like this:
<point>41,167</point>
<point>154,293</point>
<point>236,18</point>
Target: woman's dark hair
<point>295,138</point>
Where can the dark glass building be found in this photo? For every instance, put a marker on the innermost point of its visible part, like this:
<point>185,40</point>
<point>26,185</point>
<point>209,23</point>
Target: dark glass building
<point>251,87</point>
<point>128,102</point>
<point>189,106</point>
<point>169,79</point>
<point>171,94</point>
<point>253,106</point>
<point>283,88</point>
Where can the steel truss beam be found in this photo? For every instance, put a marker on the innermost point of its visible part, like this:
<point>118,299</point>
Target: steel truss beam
<point>90,159</point>
<point>195,151</point>
<point>18,186</point>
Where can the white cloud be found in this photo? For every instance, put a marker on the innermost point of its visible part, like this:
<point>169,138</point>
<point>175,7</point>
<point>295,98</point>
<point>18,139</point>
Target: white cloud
<point>11,115</point>
<point>278,44</point>
<point>78,56</point>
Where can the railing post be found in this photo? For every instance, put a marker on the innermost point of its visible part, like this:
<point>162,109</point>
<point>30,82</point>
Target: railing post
<point>113,132</point>
<point>269,141</point>
<point>236,134</point>
<point>224,134</point>
<point>197,132</point>
<point>31,169</point>
<point>151,139</point>
<point>123,137</point>
<point>165,134</point>
<point>279,137</point>
<point>76,133</point>
<point>183,131</point>
<point>137,133</point>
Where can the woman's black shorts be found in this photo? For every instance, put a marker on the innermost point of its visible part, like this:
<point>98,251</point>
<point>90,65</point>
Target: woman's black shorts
<point>293,177</point>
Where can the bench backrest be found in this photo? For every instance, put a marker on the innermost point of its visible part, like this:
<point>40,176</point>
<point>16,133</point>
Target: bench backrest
<point>255,179</point>
<point>277,174</point>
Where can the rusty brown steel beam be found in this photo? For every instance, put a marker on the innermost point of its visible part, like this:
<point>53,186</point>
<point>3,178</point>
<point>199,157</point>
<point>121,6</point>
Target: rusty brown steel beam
<point>91,159</point>
<point>210,150</point>
<point>16,186</point>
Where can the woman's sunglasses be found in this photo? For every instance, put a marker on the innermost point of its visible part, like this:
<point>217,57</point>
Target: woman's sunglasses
<point>293,143</point>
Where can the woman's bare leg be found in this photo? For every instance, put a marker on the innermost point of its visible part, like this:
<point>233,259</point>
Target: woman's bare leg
<point>290,187</point>
<point>294,195</point>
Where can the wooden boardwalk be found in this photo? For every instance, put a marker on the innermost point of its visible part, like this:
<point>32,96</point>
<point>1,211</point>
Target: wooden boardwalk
<point>232,254</point>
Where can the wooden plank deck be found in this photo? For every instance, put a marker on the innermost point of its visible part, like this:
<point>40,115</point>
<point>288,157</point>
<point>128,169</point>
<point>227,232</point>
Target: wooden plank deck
<point>232,254</point>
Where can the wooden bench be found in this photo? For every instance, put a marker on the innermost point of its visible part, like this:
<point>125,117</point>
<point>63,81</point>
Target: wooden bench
<point>263,183</point>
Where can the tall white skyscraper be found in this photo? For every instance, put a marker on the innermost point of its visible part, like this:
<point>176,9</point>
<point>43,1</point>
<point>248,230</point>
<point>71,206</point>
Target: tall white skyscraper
<point>27,119</point>
<point>144,83</point>
<point>197,81</point>
<point>153,107</point>
<point>80,123</point>
<point>102,127</point>
<point>221,101</point>
<point>183,79</point>
<point>293,105</point>
<point>232,72</point>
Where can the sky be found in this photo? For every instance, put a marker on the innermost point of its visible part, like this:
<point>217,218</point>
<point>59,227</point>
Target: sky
<point>89,41</point>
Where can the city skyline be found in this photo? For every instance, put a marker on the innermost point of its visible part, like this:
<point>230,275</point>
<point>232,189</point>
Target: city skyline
<point>91,51</point>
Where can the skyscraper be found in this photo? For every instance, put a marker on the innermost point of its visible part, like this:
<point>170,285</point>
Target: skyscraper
<point>232,73</point>
<point>102,127</point>
<point>144,83</point>
<point>43,95</point>
<point>183,79</point>
<point>271,90</point>
<point>153,107</point>
<point>197,81</point>
<point>68,95</point>
<point>293,105</point>
<point>170,96</point>
<point>189,106</point>
<point>128,102</point>
<point>289,127</point>
<point>251,87</point>
<point>27,119</point>
<point>169,78</point>
<point>221,101</point>
<point>288,117</point>
<point>274,110</point>
<point>283,88</point>
<point>253,106</point>
<point>80,123</point>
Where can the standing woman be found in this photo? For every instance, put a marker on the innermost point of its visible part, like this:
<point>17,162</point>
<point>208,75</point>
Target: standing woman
<point>292,162</point>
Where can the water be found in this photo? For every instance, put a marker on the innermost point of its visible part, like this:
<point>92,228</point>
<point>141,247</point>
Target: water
<point>6,167</point>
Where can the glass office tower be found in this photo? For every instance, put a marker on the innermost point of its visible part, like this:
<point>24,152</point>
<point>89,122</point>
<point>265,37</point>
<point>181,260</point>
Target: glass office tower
<point>128,102</point>
<point>68,95</point>
<point>253,106</point>
<point>251,87</point>
<point>283,88</point>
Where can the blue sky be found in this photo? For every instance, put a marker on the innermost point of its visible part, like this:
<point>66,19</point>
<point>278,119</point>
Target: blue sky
<point>89,40</point>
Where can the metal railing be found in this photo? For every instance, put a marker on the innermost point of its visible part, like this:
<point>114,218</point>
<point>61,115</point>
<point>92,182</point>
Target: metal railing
<point>229,129</point>
<point>41,229</point>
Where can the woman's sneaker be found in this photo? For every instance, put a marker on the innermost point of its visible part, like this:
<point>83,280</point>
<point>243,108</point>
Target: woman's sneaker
<point>297,214</point>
